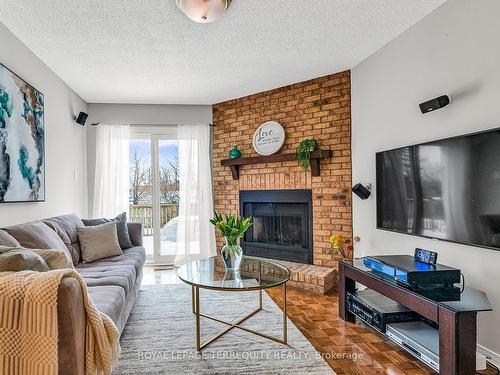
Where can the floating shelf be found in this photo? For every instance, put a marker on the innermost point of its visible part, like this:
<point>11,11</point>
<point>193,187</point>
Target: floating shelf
<point>316,156</point>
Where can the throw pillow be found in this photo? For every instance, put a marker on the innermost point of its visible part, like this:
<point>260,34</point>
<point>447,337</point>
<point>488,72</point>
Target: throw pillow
<point>65,226</point>
<point>36,235</point>
<point>121,226</point>
<point>21,260</point>
<point>55,259</point>
<point>99,241</point>
<point>7,240</point>
<point>3,249</point>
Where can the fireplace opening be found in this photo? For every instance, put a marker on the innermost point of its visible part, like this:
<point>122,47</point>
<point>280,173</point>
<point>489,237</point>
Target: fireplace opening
<point>282,224</point>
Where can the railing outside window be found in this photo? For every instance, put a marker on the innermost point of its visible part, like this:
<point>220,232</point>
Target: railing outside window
<point>144,214</point>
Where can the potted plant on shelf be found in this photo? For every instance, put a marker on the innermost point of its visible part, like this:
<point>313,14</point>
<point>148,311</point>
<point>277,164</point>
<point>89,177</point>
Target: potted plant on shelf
<point>232,227</point>
<point>344,246</point>
<point>303,152</point>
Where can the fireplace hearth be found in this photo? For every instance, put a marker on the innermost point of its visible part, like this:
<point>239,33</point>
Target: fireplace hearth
<point>282,224</point>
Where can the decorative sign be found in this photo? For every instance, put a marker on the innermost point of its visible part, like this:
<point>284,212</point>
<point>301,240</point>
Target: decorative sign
<point>268,138</point>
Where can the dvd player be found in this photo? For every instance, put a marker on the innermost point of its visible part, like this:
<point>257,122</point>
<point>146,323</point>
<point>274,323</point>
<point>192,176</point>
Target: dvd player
<point>377,310</point>
<point>417,338</point>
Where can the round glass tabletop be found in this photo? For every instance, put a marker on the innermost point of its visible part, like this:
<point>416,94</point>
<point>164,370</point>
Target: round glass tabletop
<point>254,274</point>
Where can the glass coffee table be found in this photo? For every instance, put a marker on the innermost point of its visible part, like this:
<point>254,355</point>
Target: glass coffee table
<point>255,274</point>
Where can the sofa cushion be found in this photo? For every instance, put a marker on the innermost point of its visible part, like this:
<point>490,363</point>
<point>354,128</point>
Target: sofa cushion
<point>7,240</point>
<point>121,227</point>
<point>123,276</point>
<point>108,299</point>
<point>36,235</point>
<point>66,227</point>
<point>22,260</point>
<point>98,242</point>
<point>135,256</point>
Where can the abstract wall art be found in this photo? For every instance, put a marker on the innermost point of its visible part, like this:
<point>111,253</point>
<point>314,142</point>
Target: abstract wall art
<point>22,140</point>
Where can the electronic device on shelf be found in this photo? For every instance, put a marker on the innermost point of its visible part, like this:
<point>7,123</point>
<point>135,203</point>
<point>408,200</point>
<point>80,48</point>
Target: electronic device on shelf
<point>377,310</point>
<point>417,338</point>
<point>422,341</point>
<point>434,281</point>
<point>425,256</point>
<point>406,270</point>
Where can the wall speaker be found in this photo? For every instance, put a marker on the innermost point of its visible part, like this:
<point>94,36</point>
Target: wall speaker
<point>362,191</point>
<point>82,118</point>
<point>433,104</point>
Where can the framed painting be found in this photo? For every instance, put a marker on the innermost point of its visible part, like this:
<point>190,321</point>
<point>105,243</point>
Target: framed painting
<point>22,140</point>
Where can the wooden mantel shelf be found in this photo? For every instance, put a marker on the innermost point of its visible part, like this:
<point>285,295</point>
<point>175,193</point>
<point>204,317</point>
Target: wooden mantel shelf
<point>316,156</point>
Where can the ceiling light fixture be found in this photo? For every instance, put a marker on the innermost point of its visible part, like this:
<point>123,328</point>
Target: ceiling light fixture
<point>203,11</point>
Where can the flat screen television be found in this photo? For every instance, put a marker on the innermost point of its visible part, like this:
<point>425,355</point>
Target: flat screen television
<point>447,189</point>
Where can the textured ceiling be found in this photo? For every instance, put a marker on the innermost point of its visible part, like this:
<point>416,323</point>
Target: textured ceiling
<point>147,51</point>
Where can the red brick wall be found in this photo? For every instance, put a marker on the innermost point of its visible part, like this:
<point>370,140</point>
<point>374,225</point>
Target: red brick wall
<point>319,108</point>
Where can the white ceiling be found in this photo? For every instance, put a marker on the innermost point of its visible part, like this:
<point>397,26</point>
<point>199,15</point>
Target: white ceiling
<point>147,51</point>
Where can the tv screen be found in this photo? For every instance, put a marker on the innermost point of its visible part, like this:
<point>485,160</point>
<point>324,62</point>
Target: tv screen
<point>447,189</point>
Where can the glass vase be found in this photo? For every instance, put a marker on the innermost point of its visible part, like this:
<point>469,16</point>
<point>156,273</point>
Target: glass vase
<point>232,254</point>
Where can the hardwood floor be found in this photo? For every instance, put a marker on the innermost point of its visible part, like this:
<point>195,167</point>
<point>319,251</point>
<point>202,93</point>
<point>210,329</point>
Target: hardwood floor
<point>348,348</point>
<point>352,349</point>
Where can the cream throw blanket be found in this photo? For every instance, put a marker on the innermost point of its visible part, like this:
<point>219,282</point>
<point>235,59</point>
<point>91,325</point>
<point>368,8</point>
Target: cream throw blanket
<point>28,326</point>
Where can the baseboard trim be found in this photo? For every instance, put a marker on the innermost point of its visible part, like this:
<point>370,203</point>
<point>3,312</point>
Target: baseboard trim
<point>490,355</point>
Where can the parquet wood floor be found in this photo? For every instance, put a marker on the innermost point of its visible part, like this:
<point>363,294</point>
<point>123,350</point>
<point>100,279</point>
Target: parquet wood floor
<point>317,318</point>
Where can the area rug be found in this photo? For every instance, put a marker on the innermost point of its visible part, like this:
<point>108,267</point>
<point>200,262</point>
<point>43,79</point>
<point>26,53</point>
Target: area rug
<point>160,337</point>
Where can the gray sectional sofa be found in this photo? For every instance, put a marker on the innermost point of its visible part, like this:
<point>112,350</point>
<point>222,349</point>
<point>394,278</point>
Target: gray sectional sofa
<point>113,282</point>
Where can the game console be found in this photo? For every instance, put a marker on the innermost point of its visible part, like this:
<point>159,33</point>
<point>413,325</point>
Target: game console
<point>434,281</point>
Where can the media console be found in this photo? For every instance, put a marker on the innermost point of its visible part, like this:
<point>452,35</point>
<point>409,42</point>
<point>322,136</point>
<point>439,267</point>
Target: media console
<point>456,319</point>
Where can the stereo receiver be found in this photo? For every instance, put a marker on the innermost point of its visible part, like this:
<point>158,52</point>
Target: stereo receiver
<point>377,310</point>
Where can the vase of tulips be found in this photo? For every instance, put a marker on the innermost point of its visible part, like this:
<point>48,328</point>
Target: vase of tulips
<point>232,227</point>
<point>344,246</point>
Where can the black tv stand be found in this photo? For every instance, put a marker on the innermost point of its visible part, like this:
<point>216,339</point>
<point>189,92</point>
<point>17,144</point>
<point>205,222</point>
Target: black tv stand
<point>456,319</point>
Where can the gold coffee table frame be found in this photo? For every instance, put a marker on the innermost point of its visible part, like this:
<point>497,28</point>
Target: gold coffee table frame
<point>195,290</point>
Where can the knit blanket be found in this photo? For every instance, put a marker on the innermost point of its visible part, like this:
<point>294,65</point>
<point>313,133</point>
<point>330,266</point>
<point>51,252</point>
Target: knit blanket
<point>28,326</point>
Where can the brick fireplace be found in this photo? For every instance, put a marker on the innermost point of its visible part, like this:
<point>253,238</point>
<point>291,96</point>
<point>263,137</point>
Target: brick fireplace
<point>319,108</point>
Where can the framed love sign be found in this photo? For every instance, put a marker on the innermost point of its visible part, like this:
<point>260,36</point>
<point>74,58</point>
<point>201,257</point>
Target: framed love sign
<point>268,138</point>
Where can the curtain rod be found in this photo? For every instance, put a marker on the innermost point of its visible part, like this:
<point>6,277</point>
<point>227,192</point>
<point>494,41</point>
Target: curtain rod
<point>142,124</point>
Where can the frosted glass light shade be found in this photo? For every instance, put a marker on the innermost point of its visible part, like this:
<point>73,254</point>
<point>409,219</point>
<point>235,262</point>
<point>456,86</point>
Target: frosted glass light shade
<point>203,11</point>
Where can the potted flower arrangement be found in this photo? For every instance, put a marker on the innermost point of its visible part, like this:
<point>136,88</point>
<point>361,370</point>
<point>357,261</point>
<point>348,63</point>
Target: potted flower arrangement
<point>232,227</point>
<point>344,246</point>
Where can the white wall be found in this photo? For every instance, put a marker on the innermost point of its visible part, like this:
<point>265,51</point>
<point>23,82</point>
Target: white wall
<point>452,51</point>
<point>64,140</point>
<point>138,114</point>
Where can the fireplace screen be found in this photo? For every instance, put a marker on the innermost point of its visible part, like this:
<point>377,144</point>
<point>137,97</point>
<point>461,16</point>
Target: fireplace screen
<point>282,224</point>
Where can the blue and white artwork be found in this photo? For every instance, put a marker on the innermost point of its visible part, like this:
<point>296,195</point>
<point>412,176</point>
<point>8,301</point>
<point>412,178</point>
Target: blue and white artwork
<point>22,140</point>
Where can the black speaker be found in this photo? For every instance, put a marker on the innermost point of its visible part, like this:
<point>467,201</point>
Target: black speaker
<point>82,118</point>
<point>434,104</point>
<point>361,191</point>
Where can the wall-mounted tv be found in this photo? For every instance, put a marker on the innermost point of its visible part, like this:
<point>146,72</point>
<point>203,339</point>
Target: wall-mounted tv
<point>447,189</point>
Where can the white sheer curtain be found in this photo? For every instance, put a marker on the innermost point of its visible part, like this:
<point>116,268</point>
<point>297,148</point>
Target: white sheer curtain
<point>111,188</point>
<point>195,234</point>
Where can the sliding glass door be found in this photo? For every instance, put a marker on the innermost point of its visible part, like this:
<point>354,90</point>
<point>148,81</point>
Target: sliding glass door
<point>154,189</point>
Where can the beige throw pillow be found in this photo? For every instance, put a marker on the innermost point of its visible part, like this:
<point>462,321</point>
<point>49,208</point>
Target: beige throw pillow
<point>56,259</point>
<point>99,241</point>
<point>21,260</point>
